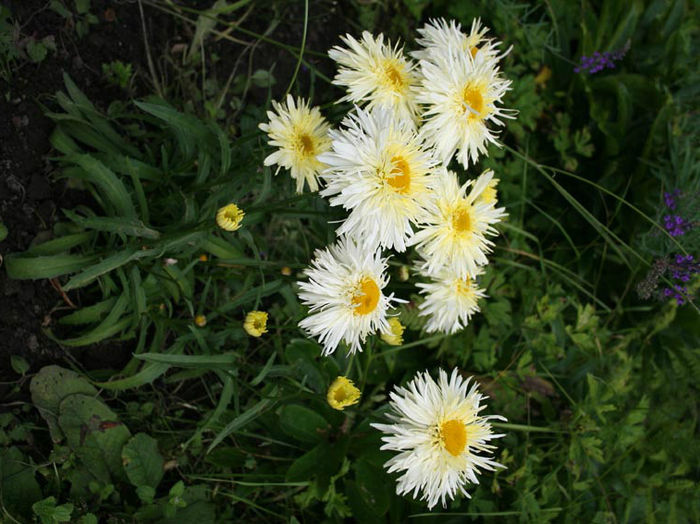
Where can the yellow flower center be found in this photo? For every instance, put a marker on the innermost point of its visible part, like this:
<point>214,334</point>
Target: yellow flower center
<point>464,286</point>
<point>340,395</point>
<point>393,77</point>
<point>366,298</point>
<point>453,434</point>
<point>474,50</point>
<point>400,178</point>
<point>473,101</point>
<point>461,219</point>
<point>305,145</point>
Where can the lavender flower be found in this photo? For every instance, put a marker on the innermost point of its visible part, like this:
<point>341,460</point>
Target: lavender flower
<point>680,268</point>
<point>676,225</point>
<point>670,198</point>
<point>599,61</point>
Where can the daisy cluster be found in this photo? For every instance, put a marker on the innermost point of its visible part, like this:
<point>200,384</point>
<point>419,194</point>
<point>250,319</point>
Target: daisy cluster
<point>387,166</point>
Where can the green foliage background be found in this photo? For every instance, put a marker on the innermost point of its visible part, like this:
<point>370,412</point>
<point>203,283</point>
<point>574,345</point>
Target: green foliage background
<point>208,424</point>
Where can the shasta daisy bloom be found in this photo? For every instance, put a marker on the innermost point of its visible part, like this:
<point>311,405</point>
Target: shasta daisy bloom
<point>438,36</point>
<point>376,74</point>
<point>342,393</point>
<point>450,301</point>
<point>229,217</point>
<point>381,172</point>
<point>461,94</point>
<point>441,439</point>
<point>300,133</point>
<point>454,233</point>
<point>344,295</point>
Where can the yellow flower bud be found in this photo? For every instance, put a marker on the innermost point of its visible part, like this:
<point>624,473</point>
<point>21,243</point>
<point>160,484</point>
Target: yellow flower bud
<point>394,337</point>
<point>229,217</point>
<point>200,320</point>
<point>255,323</point>
<point>342,393</point>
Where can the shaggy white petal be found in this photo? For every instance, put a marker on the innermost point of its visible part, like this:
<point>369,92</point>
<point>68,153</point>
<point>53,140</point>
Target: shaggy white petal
<point>450,301</point>
<point>439,37</point>
<point>301,134</point>
<point>376,74</point>
<point>441,439</point>
<point>344,295</point>
<point>461,94</point>
<point>453,235</point>
<point>382,174</point>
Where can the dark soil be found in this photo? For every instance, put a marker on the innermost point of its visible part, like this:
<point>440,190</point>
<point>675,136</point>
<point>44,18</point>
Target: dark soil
<point>31,200</point>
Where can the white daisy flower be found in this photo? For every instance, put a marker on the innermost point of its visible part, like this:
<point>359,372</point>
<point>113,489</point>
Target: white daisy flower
<point>441,440</point>
<point>439,36</point>
<point>381,172</point>
<point>344,295</point>
<point>376,74</point>
<point>460,93</point>
<point>450,301</point>
<point>301,134</point>
<point>454,233</point>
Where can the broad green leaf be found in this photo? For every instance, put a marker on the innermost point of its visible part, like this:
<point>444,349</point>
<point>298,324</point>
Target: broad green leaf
<point>142,461</point>
<point>49,387</point>
<point>303,424</point>
<point>19,488</point>
<point>96,435</point>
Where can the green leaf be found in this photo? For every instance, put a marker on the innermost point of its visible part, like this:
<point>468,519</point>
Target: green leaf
<point>244,418</point>
<point>48,512</point>
<point>105,266</point>
<point>111,186</point>
<point>372,483</point>
<point>89,314</point>
<point>224,361</point>
<point>19,364</point>
<point>110,326</point>
<point>122,226</point>
<point>96,435</point>
<point>24,267</point>
<point>142,461</point>
<point>82,6</point>
<point>18,485</point>
<point>36,50</point>
<point>303,424</point>
<point>305,466</point>
<point>60,245</point>
<point>49,387</point>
